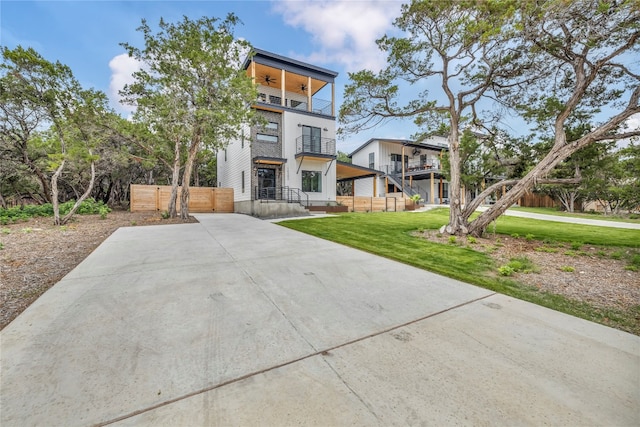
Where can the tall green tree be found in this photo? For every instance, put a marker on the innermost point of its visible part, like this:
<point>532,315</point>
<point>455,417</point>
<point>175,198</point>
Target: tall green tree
<point>37,93</point>
<point>191,90</point>
<point>548,61</point>
<point>615,183</point>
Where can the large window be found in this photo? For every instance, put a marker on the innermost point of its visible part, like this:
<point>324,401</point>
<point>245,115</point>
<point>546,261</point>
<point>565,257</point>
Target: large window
<point>311,137</point>
<point>266,138</point>
<point>396,163</point>
<point>311,181</point>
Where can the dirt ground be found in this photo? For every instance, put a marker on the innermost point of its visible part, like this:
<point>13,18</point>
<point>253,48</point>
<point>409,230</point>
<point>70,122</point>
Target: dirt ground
<point>587,273</point>
<point>36,254</point>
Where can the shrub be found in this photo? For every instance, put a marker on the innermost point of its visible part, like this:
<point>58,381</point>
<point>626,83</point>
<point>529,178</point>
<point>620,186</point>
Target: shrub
<point>472,240</point>
<point>522,264</point>
<point>505,270</point>
<point>529,237</point>
<point>452,240</point>
<point>15,214</point>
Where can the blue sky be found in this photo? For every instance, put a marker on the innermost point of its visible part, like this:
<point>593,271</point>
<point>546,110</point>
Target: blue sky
<point>86,36</point>
<point>335,34</point>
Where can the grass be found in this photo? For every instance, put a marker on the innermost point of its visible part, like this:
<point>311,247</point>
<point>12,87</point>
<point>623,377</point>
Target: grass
<point>555,211</point>
<point>390,235</point>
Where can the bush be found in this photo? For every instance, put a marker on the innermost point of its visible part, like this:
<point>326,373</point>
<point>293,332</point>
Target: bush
<point>518,265</point>
<point>16,214</point>
<point>505,270</point>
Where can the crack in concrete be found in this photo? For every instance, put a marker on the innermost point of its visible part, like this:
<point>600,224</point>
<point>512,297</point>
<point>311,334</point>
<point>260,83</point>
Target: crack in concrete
<point>290,362</point>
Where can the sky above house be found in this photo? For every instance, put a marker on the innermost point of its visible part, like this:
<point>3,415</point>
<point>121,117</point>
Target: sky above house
<point>85,35</point>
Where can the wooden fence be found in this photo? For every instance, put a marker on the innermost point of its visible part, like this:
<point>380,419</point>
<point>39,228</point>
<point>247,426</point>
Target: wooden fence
<point>375,204</point>
<point>148,198</point>
<point>534,200</point>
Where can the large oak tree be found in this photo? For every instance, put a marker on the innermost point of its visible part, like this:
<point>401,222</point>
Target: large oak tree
<point>191,90</point>
<point>551,62</point>
<point>37,95</point>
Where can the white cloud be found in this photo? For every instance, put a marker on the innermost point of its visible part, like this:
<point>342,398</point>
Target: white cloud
<point>631,124</point>
<point>346,31</point>
<point>122,69</point>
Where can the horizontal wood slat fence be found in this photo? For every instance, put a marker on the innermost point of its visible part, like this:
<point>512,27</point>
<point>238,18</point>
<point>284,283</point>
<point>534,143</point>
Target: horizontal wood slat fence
<point>375,204</point>
<point>155,198</point>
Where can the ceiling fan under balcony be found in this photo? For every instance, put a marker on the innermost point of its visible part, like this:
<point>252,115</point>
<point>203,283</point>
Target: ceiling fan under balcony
<point>267,79</point>
<point>303,88</point>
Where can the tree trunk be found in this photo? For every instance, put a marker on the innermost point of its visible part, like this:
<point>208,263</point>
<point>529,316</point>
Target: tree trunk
<point>479,225</point>
<point>44,181</point>
<point>186,175</point>
<point>457,222</point>
<point>3,204</point>
<point>175,176</point>
<point>82,198</point>
<point>54,193</point>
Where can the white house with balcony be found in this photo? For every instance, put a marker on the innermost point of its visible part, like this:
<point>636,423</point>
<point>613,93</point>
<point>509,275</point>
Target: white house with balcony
<point>290,163</point>
<point>406,168</point>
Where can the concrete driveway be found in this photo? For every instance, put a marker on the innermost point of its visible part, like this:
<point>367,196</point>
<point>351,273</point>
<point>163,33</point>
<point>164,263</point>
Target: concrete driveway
<point>238,321</point>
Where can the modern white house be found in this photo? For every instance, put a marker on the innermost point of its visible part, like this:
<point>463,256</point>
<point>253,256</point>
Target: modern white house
<point>290,163</point>
<point>405,168</point>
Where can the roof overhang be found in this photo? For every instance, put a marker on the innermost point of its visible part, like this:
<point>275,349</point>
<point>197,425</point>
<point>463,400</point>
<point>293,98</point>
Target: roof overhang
<point>269,160</point>
<point>316,156</point>
<point>347,171</point>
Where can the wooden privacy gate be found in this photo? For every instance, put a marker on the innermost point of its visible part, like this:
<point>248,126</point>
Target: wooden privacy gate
<point>155,198</point>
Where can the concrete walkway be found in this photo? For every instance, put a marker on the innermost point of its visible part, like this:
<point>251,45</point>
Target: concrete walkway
<point>569,219</point>
<point>238,321</point>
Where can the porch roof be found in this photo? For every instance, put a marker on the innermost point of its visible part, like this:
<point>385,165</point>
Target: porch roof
<point>347,171</point>
<point>263,160</point>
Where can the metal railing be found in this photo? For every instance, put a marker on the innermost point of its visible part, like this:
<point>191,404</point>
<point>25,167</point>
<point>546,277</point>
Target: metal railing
<point>287,194</point>
<point>318,106</point>
<point>310,144</point>
<point>396,168</point>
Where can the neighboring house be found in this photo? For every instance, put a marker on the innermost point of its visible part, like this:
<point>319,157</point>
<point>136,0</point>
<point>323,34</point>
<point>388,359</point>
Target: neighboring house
<point>290,163</point>
<point>414,167</point>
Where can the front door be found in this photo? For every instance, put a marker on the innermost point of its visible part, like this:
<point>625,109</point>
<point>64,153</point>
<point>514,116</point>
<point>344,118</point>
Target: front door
<point>266,183</point>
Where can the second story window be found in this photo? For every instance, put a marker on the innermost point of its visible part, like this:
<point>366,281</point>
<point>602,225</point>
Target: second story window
<point>271,126</point>
<point>266,138</point>
<point>372,160</point>
<point>311,138</point>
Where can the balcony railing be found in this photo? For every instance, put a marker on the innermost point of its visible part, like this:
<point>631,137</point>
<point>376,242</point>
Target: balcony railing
<point>395,168</point>
<point>318,106</point>
<point>307,144</point>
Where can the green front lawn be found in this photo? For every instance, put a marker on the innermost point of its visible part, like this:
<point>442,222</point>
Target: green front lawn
<point>389,234</point>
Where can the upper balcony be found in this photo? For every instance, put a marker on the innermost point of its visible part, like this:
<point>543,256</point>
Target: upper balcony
<point>317,105</point>
<point>285,83</point>
<point>318,148</point>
